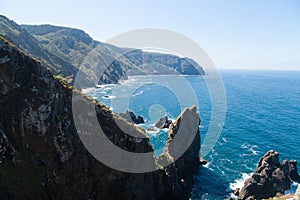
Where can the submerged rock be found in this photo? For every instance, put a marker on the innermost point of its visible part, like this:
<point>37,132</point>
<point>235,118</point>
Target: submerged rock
<point>271,178</point>
<point>163,122</point>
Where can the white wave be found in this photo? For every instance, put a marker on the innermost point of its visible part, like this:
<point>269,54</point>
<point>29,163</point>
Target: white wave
<point>224,139</point>
<point>108,97</point>
<point>239,183</point>
<point>99,86</point>
<point>153,131</point>
<point>138,94</point>
<point>87,90</point>
<point>206,165</point>
<point>107,88</point>
<point>254,152</point>
<point>250,148</point>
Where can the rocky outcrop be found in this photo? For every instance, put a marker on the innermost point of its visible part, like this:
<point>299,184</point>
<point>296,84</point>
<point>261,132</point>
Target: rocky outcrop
<point>295,196</point>
<point>270,178</point>
<point>163,122</point>
<point>42,156</point>
<point>131,117</point>
<point>179,175</point>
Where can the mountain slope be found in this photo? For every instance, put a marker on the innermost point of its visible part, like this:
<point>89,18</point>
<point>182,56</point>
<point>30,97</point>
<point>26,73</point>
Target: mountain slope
<point>42,156</point>
<point>75,46</point>
<point>65,50</point>
<point>25,41</point>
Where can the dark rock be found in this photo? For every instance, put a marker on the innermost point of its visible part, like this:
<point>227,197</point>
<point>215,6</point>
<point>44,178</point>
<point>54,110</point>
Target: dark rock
<point>163,122</point>
<point>181,180</point>
<point>236,191</point>
<point>42,156</point>
<point>270,178</point>
<point>130,117</point>
<point>139,120</point>
<point>293,170</point>
<point>202,161</point>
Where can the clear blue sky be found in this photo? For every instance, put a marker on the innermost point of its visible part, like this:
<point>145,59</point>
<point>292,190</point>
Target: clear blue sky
<point>234,33</point>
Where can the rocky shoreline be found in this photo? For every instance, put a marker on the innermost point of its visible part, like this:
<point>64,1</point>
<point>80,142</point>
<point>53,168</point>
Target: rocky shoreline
<point>270,178</point>
<point>42,156</point>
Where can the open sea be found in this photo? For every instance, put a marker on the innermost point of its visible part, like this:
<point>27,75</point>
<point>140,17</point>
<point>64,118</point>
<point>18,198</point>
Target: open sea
<point>263,113</point>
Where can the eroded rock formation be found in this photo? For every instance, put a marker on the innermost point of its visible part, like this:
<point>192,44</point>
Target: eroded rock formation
<point>131,117</point>
<point>270,178</point>
<point>163,122</point>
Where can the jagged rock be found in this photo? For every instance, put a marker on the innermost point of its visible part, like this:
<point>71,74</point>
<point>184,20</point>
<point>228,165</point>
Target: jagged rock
<point>293,171</point>
<point>270,178</point>
<point>131,117</point>
<point>42,156</point>
<point>184,130</point>
<point>163,122</point>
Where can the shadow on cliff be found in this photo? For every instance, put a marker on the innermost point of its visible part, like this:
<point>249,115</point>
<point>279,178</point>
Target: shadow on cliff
<point>209,185</point>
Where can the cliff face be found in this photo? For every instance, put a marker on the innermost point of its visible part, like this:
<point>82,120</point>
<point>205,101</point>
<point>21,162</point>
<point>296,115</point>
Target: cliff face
<point>179,179</point>
<point>74,46</point>
<point>270,178</point>
<point>64,50</point>
<point>42,156</point>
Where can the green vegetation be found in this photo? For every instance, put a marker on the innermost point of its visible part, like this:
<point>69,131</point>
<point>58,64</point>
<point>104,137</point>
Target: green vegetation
<point>64,50</point>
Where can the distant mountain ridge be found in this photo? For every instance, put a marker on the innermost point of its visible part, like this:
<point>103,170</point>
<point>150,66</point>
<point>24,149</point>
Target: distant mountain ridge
<point>64,50</point>
<point>25,41</point>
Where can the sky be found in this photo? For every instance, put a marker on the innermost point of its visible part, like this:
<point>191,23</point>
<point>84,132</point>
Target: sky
<point>248,34</point>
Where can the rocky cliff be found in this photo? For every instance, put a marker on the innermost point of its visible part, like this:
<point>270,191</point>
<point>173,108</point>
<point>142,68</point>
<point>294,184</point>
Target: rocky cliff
<point>270,178</point>
<point>64,50</point>
<point>42,156</point>
<point>25,41</point>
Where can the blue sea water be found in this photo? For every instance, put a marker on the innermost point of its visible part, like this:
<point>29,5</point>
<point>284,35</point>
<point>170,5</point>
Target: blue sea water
<point>263,113</point>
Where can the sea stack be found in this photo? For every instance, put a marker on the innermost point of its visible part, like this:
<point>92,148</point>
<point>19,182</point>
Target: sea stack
<point>271,178</point>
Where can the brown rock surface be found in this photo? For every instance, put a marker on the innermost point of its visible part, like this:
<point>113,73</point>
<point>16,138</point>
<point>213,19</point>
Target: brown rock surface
<point>270,178</point>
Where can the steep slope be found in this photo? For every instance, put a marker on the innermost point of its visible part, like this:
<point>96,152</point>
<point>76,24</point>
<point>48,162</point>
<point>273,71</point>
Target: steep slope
<point>42,156</point>
<point>75,46</point>
<point>25,41</point>
<point>64,50</point>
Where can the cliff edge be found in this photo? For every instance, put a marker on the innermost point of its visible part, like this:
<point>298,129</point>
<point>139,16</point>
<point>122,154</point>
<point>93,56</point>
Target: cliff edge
<point>42,156</point>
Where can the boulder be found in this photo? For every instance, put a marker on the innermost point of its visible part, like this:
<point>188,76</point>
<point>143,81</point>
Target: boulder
<point>271,178</point>
<point>131,117</point>
<point>163,122</point>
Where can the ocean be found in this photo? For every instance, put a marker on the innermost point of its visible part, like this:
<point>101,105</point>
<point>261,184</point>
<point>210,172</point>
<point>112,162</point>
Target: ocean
<point>263,113</point>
